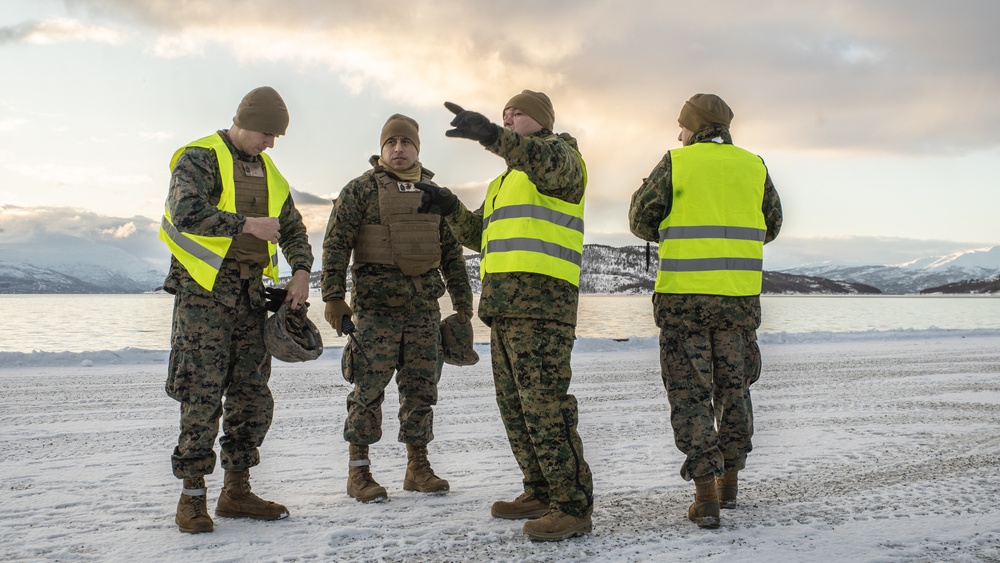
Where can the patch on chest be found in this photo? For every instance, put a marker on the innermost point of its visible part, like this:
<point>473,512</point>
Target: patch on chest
<point>253,169</point>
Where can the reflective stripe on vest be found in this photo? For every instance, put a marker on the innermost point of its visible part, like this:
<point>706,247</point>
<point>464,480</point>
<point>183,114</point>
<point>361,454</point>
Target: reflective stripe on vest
<point>525,231</point>
<point>202,256</point>
<point>712,241</point>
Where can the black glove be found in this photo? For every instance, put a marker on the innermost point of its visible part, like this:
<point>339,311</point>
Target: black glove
<point>472,125</point>
<point>275,297</point>
<point>436,199</point>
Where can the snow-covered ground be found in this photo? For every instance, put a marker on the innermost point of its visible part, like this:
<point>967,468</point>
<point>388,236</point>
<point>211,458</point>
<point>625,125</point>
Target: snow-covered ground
<point>878,446</point>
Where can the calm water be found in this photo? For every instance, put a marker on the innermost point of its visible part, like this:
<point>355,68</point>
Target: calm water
<point>76,323</point>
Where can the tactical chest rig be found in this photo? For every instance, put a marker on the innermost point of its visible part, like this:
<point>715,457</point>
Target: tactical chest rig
<point>250,182</point>
<point>405,239</point>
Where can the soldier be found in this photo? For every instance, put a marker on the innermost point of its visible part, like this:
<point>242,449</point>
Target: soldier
<point>530,233</point>
<point>227,208</point>
<point>712,207</point>
<point>399,259</point>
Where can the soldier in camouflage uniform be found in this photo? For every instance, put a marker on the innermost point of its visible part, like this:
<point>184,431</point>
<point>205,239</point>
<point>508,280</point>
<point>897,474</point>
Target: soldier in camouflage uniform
<point>532,244</point>
<point>707,299</point>
<point>226,209</point>
<point>399,258</point>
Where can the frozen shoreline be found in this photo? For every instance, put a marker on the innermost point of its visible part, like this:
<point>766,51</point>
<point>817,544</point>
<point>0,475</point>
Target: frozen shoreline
<point>141,356</point>
<point>869,447</point>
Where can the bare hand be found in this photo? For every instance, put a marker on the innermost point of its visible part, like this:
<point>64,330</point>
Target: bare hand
<point>264,228</point>
<point>298,289</point>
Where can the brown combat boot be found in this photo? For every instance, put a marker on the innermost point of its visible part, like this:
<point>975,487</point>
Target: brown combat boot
<point>236,500</point>
<point>192,509</point>
<point>704,511</point>
<point>360,483</point>
<point>556,525</point>
<point>419,475</point>
<point>524,506</point>
<point>727,487</point>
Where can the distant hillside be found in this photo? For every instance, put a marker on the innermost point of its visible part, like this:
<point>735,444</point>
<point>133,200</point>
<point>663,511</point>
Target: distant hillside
<point>30,279</point>
<point>62,264</point>
<point>777,282</point>
<point>967,286</point>
<point>623,271</point>
<point>605,270</point>
<point>77,266</point>
<point>914,276</point>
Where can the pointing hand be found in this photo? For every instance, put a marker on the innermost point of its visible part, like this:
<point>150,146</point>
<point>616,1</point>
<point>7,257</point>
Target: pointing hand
<point>471,125</point>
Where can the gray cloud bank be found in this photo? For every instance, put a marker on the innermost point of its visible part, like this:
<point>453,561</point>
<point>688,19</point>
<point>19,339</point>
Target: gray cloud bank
<point>897,76</point>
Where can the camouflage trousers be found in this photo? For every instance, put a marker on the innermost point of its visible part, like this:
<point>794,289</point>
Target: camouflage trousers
<point>218,352</point>
<point>531,372</point>
<point>707,376</point>
<point>407,344</point>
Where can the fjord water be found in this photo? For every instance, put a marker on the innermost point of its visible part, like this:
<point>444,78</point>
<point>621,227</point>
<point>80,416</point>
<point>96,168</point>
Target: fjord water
<point>78,323</point>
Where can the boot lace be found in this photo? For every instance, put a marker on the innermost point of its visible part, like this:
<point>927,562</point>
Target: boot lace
<point>248,493</point>
<point>363,478</point>
<point>198,506</point>
<point>421,463</point>
<point>523,497</point>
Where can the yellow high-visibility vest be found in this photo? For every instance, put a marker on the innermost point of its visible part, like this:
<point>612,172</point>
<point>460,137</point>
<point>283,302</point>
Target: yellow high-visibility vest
<point>712,242</point>
<point>525,231</point>
<point>202,256</point>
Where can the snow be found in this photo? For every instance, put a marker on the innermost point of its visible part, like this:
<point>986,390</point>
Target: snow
<point>874,446</point>
<point>977,259</point>
<point>105,266</point>
<point>912,276</point>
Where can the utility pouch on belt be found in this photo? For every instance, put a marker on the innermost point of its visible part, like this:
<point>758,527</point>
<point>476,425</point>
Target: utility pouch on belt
<point>347,362</point>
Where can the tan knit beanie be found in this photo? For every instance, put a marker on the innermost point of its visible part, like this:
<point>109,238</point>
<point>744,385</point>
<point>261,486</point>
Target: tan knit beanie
<point>537,105</point>
<point>262,110</point>
<point>703,110</point>
<point>398,125</point>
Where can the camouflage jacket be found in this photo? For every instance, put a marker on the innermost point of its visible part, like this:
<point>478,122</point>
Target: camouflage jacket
<point>383,287</point>
<point>194,183</point>
<point>651,203</point>
<point>553,166</point>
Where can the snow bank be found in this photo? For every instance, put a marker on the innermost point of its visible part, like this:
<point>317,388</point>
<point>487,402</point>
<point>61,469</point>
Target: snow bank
<point>141,356</point>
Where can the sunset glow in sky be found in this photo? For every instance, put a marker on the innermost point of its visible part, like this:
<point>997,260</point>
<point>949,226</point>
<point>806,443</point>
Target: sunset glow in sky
<point>877,121</point>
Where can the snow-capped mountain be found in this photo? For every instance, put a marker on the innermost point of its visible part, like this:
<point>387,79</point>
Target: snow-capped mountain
<point>64,264</point>
<point>913,276</point>
<point>74,265</point>
<point>605,269</point>
<point>631,270</point>
<point>982,259</point>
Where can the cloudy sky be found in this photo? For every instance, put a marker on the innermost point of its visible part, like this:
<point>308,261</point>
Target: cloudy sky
<point>878,120</point>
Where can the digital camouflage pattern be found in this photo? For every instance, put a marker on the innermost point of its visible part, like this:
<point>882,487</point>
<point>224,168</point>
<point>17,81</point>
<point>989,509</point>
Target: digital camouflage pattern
<point>650,205</point>
<point>708,344</point>
<point>753,367</point>
<point>217,351</point>
<point>531,373</point>
<point>398,319</point>
<point>553,165</point>
<point>707,378</point>
<point>291,336</point>
<point>217,340</point>
<point>458,342</point>
<point>383,287</point>
<point>386,338</point>
<point>532,319</point>
<point>195,188</point>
